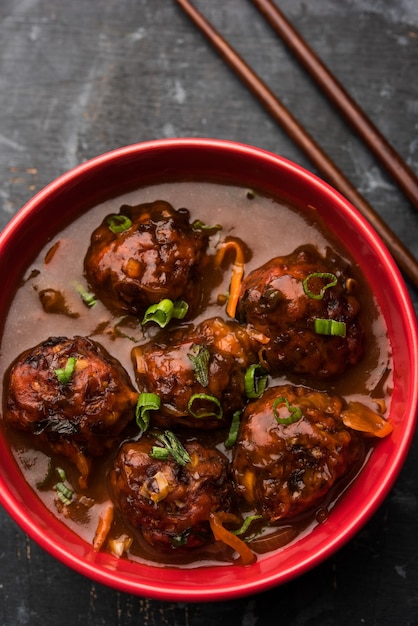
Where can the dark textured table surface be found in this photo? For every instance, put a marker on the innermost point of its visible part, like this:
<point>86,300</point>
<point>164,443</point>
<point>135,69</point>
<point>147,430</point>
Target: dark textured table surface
<point>82,77</point>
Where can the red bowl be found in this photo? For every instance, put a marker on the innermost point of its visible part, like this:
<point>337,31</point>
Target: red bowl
<point>138,165</point>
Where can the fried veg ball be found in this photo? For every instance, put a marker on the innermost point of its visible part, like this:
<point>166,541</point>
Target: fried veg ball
<point>154,255</point>
<point>71,394</point>
<point>198,373</point>
<point>284,469</point>
<point>274,301</point>
<point>167,502</point>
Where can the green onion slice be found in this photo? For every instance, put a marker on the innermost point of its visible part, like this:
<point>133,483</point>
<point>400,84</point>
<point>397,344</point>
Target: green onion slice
<point>65,374</point>
<point>159,453</point>
<point>332,281</point>
<point>118,223</point>
<point>87,297</point>
<point>295,413</point>
<point>64,493</point>
<point>246,524</point>
<point>255,381</point>
<point>162,312</point>
<point>199,225</point>
<point>146,402</point>
<point>230,441</point>
<point>200,357</point>
<point>203,405</point>
<point>330,327</point>
<point>61,474</point>
<point>172,446</point>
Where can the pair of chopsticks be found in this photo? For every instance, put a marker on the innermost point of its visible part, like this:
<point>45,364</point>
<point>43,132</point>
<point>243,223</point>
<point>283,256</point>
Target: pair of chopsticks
<point>384,152</point>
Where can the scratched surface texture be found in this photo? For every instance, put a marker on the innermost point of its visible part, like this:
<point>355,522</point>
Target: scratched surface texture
<point>82,77</point>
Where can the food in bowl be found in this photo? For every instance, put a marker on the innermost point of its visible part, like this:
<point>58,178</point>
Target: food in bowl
<point>191,397</point>
<point>149,455</point>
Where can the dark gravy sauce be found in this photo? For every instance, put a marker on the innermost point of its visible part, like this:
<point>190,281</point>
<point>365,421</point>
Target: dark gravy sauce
<point>269,229</point>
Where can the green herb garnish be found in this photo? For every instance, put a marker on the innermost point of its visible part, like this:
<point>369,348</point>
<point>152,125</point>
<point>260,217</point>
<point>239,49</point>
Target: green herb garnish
<point>255,381</point>
<point>172,447</point>
<point>203,405</point>
<point>230,441</point>
<point>64,493</point>
<point>330,327</point>
<point>146,402</point>
<point>118,223</point>
<point>200,357</point>
<point>199,225</point>
<point>162,312</point>
<point>294,415</point>
<point>65,374</point>
<point>87,296</point>
<point>246,524</point>
<point>332,281</point>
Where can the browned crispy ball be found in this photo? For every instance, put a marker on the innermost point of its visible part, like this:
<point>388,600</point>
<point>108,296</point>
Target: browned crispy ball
<point>159,255</point>
<point>78,416</point>
<point>286,469</point>
<point>273,300</point>
<point>192,364</point>
<point>169,503</point>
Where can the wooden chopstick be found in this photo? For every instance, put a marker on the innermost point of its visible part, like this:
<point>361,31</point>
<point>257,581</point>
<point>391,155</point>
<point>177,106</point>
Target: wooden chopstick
<point>333,89</point>
<point>318,157</point>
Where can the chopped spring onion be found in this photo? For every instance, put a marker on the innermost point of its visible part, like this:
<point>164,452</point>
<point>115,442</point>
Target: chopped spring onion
<point>172,446</point>
<point>162,312</point>
<point>237,272</point>
<point>255,381</point>
<point>203,405</point>
<point>146,402</point>
<point>161,454</point>
<point>118,223</point>
<point>87,297</point>
<point>233,430</point>
<point>65,374</point>
<point>295,412</point>
<point>329,327</point>
<point>322,275</point>
<point>61,474</point>
<point>246,524</point>
<point>200,357</point>
<point>199,225</point>
<point>64,493</point>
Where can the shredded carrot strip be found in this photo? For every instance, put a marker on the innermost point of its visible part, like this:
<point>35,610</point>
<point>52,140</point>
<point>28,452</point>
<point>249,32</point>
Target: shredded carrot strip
<point>360,417</point>
<point>83,466</point>
<point>103,527</point>
<point>51,252</point>
<point>220,533</point>
<point>237,272</point>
